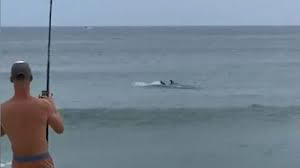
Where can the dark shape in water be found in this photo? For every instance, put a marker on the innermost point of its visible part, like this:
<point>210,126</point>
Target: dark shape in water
<point>163,85</point>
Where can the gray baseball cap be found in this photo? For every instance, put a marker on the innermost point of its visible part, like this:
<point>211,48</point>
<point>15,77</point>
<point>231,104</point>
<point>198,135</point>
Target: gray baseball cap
<point>21,68</point>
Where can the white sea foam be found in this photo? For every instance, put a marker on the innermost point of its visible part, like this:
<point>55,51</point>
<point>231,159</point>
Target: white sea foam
<point>5,164</point>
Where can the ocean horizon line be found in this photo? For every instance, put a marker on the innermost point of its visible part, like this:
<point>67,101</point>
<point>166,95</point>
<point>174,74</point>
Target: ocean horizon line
<point>95,26</point>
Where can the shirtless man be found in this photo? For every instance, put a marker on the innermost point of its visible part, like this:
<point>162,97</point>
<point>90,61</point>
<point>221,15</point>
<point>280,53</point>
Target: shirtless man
<point>24,120</point>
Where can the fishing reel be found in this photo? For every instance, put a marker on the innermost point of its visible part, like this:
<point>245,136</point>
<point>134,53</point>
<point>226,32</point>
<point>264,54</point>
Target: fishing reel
<point>44,94</point>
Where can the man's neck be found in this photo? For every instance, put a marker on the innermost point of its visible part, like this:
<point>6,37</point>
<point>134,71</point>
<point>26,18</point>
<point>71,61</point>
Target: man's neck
<point>22,91</point>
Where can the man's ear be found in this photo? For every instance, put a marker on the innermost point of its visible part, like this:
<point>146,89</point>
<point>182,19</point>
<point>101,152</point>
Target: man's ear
<point>31,78</point>
<point>11,80</point>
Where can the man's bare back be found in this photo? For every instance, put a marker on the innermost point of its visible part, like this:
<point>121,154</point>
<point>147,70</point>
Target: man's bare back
<point>25,120</point>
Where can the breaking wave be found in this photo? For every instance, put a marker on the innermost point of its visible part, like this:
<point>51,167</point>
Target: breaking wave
<point>134,117</point>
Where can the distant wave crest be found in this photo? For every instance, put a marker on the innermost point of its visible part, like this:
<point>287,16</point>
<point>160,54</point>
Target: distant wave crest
<point>133,117</point>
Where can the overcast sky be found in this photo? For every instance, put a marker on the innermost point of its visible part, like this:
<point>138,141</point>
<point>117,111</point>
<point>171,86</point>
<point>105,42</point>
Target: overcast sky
<point>151,12</point>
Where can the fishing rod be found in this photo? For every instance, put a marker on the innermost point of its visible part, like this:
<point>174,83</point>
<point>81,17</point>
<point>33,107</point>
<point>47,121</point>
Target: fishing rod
<point>49,50</point>
<point>46,93</point>
<point>0,16</point>
<point>0,104</point>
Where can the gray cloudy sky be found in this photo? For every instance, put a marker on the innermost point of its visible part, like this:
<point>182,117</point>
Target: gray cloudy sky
<point>152,12</point>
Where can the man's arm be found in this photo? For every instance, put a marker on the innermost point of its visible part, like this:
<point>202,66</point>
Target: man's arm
<point>54,118</point>
<point>2,131</point>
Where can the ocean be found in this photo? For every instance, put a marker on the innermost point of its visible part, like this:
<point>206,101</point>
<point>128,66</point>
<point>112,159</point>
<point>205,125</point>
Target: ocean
<point>239,107</point>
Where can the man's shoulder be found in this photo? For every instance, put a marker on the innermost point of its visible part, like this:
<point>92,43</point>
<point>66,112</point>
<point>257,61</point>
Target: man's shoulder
<point>6,104</point>
<point>41,102</point>
<point>32,100</point>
